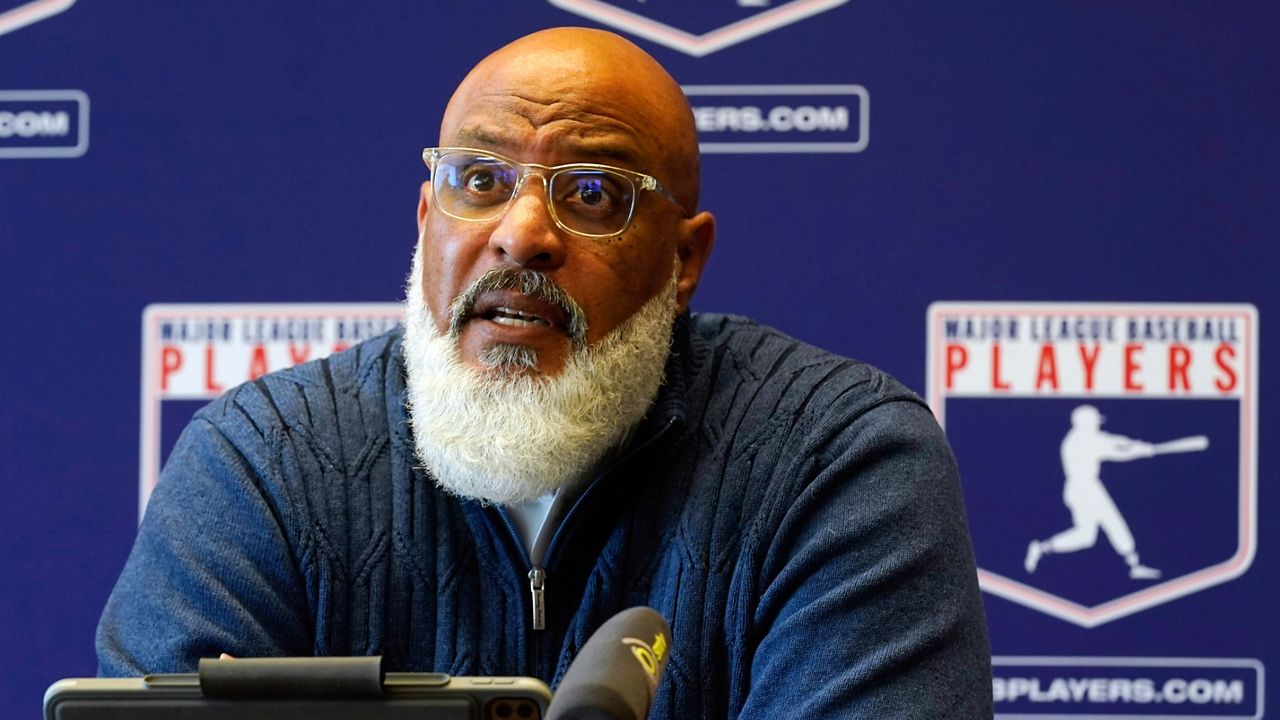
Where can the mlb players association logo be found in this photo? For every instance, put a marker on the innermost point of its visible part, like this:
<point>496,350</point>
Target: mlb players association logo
<point>697,28</point>
<point>23,14</point>
<point>1108,451</point>
<point>192,353</point>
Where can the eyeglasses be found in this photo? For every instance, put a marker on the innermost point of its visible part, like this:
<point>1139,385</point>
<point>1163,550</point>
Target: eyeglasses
<point>587,199</point>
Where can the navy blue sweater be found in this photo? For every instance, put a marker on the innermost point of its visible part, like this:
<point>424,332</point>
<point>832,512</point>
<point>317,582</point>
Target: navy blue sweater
<point>795,515</point>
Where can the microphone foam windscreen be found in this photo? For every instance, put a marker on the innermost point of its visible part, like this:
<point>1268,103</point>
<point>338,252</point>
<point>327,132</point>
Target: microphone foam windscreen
<point>616,673</point>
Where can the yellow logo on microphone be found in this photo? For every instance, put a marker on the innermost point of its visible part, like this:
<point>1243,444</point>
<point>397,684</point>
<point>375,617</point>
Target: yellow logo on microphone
<point>650,656</point>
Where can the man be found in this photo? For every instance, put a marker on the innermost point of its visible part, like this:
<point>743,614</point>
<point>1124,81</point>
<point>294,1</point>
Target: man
<point>1084,449</point>
<point>554,438</point>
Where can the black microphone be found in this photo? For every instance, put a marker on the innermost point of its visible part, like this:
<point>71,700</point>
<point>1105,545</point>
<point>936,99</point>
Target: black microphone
<point>615,674</point>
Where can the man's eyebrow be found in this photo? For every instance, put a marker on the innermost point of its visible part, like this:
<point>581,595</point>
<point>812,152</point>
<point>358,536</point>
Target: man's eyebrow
<point>608,151</point>
<point>602,150</point>
<point>479,136</point>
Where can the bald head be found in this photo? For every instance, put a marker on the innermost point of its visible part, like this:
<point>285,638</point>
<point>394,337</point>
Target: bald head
<point>578,94</point>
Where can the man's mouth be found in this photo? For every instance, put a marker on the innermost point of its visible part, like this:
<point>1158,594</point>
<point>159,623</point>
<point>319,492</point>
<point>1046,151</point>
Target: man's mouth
<point>514,318</point>
<point>519,300</point>
<point>516,310</point>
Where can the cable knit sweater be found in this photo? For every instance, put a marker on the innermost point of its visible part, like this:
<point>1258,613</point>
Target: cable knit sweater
<point>795,515</point>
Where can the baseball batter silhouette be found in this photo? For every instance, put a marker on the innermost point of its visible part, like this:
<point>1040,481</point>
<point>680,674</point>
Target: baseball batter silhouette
<point>1084,449</point>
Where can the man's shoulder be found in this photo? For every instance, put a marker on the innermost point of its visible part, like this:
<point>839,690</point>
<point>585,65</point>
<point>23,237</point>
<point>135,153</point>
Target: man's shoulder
<point>351,381</point>
<point>732,353</point>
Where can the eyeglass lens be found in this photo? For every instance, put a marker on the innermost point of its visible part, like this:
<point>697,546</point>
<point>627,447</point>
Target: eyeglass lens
<point>592,201</point>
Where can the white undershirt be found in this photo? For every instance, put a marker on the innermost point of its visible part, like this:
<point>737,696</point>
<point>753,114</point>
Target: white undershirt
<point>529,518</point>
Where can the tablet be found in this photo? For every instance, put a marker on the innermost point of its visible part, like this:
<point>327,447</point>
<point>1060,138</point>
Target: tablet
<point>297,689</point>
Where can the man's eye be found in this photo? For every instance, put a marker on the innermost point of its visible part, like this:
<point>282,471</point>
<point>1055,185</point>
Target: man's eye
<point>591,195</point>
<point>480,181</point>
<point>590,192</point>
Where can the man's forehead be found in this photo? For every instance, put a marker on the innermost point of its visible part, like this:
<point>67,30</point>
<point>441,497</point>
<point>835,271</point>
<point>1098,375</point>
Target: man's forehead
<point>553,132</point>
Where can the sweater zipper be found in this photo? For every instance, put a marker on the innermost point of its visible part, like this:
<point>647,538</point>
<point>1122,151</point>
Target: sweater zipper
<point>537,589</point>
<point>537,572</point>
<point>538,575</point>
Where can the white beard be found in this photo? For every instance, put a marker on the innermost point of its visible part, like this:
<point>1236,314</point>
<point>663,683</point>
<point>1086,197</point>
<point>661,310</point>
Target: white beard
<point>509,437</point>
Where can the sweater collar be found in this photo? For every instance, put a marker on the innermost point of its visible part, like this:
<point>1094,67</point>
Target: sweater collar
<point>670,406</point>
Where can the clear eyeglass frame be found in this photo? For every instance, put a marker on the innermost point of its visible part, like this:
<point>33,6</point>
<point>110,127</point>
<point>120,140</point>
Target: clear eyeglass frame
<point>638,181</point>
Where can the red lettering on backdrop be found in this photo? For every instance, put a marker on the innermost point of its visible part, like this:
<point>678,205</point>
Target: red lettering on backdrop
<point>1179,363</point>
<point>1227,382</point>
<point>258,362</point>
<point>209,383</point>
<point>170,361</point>
<point>340,347</point>
<point>1090,361</point>
<point>1132,366</point>
<point>299,356</point>
<point>1048,371</point>
<point>996,382</point>
<point>957,358</point>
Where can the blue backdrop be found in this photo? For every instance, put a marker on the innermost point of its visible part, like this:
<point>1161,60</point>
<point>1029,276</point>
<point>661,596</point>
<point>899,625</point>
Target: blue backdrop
<point>865,161</point>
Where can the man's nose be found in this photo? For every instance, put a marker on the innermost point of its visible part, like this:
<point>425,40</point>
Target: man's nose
<point>527,235</point>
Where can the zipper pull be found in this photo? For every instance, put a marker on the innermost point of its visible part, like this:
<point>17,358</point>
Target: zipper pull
<point>537,587</point>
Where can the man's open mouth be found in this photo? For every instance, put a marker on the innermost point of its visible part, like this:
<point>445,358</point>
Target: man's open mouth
<point>517,311</point>
<point>510,316</point>
<point>521,301</point>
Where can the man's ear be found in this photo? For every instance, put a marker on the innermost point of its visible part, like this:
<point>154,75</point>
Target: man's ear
<point>424,202</point>
<point>693,246</point>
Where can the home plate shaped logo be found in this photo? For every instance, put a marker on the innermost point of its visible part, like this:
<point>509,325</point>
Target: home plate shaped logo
<point>1108,451</point>
<point>697,28</point>
<point>24,14</point>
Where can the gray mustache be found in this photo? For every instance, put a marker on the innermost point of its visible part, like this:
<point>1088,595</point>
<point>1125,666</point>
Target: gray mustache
<point>527,282</point>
